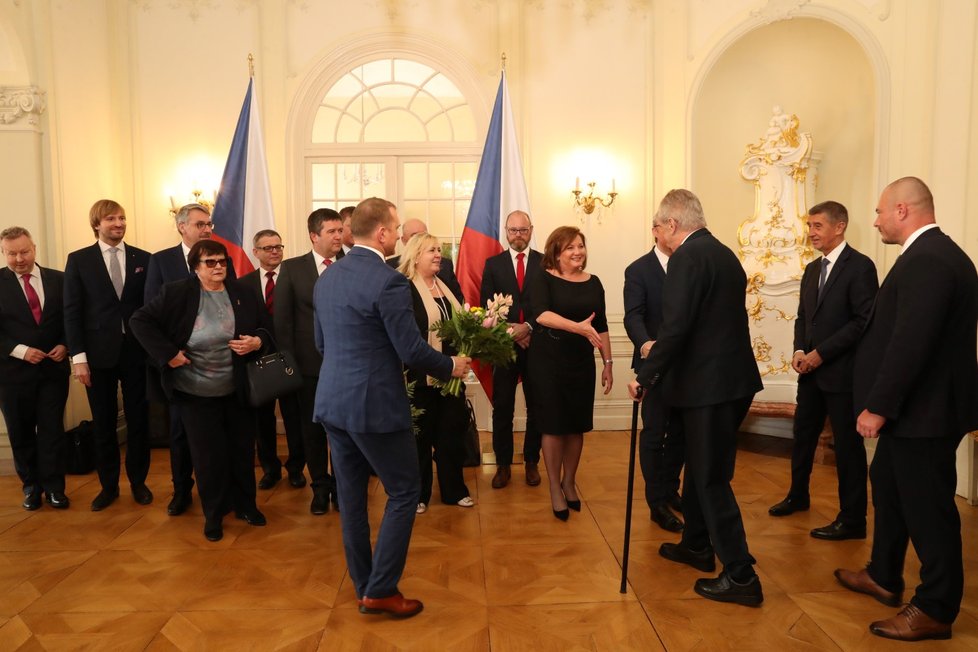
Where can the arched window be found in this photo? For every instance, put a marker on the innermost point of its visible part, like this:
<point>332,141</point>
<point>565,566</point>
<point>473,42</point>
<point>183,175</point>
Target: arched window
<point>399,129</point>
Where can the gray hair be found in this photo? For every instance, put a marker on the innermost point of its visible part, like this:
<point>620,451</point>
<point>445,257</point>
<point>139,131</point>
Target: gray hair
<point>14,232</point>
<point>183,215</point>
<point>682,206</point>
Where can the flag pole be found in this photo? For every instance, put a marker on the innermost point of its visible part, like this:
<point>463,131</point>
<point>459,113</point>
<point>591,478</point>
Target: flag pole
<point>628,499</point>
<point>251,65</point>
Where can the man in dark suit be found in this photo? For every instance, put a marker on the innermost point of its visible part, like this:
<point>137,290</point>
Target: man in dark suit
<point>510,273</point>
<point>365,328</point>
<point>33,369</point>
<point>347,214</point>
<point>268,250</point>
<point>104,285</point>
<point>193,222</point>
<point>661,441</point>
<point>837,292</point>
<point>704,359</point>
<point>294,324</point>
<point>916,389</point>
<point>446,273</point>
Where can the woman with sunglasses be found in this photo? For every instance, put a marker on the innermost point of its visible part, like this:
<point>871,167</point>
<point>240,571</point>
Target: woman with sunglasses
<point>200,332</point>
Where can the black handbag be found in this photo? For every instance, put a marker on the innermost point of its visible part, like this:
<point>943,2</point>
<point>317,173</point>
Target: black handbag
<point>472,455</point>
<point>272,376</point>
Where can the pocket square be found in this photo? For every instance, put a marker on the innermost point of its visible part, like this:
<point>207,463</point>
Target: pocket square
<point>138,270</point>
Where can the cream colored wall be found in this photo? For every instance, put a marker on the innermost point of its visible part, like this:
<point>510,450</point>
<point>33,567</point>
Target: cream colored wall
<point>140,91</point>
<point>811,69</point>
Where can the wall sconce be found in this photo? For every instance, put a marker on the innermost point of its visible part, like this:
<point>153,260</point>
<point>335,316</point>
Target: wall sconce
<point>198,199</point>
<point>589,202</point>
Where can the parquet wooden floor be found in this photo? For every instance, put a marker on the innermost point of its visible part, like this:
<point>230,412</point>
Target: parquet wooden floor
<point>502,576</point>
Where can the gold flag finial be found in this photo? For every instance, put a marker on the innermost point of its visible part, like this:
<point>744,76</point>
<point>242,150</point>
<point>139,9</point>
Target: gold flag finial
<point>503,59</point>
<point>251,64</point>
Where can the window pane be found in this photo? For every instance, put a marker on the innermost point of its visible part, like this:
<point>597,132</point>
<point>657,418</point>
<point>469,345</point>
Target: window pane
<point>340,93</point>
<point>411,72</point>
<point>440,129</point>
<point>393,95</point>
<point>440,219</point>
<point>376,72</point>
<point>324,125</point>
<point>413,209</point>
<point>322,181</point>
<point>463,124</point>
<point>465,179</point>
<point>393,126</point>
<point>349,130</point>
<point>415,180</point>
<point>441,87</point>
<point>440,181</point>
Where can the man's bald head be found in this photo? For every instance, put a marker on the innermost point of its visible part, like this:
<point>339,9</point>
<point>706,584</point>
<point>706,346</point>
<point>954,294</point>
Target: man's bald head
<point>411,228</point>
<point>913,192</point>
<point>904,206</point>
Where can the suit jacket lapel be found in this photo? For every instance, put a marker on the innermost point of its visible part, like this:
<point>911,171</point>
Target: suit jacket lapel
<point>840,264</point>
<point>14,287</point>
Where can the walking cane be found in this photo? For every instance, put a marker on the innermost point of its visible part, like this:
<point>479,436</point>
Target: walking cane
<point>628,504</point>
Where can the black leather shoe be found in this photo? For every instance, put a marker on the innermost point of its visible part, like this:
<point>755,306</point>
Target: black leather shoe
<point>181,502</point>
<point>701,560</point>
<point>839,531</point>
<point>664,518</point>
<point>58,500</point>
<point>141,494</point>
<point>297,479</point>
<point>254,518</point>
<point>675,503</point>
<point>724,589</point>
<point>104,499</point>
<point>574,504</point>
<point>32,501</point>
<point>789,506</point>
<point>562,514</point>
<point>213,531</point>
<point>320,503</point>
<point>269,480</point>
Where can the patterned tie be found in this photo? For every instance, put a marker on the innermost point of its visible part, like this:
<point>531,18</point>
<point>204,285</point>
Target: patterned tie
<point>115,271</point>
<point>326,263</point>
<point>822,275</point>
<point>270,293</point>
<point>33,300</point>
<point>520,276</point>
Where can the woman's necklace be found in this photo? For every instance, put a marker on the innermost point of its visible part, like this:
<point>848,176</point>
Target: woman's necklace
<point>434,282</point>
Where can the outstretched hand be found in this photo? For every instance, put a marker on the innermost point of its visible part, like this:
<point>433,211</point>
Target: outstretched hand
<point>585,329</point>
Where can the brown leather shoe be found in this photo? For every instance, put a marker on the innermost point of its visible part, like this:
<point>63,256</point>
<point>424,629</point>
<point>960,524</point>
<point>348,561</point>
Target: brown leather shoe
<point>911,624</point>
<point>532,474</point>
<point>501,479</point>
<point>396,605</point>
<point>860,582</point>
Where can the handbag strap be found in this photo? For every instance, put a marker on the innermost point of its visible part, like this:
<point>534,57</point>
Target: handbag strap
<point>271,338</point>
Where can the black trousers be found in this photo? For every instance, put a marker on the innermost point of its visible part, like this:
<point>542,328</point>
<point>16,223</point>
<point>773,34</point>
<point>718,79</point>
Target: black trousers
<point>267,442</point>
<point>314,439</point>
<point>850,451</point>
<point>181,464</point>
<point>913,499</point>
<point>709,506</point>
<point>130,373</point>
<point>221,433</point>
<point>661,448</point>
<point>34,413</point>
<point>441,427</point>
<point>504,382</point>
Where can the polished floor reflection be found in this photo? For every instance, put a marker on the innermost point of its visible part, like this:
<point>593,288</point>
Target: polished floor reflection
<point>503,576</point>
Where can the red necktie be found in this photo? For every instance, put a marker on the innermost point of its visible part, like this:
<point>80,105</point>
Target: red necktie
<point>270,293</point>
<point>33,300</point>
<point>520,275</point>
<point>327,262</point>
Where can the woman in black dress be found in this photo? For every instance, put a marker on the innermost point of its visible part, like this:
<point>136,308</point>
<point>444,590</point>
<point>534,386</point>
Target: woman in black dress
<point>566,307</point>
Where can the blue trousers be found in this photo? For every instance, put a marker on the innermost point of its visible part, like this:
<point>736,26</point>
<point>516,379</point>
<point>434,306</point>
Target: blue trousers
<point>393,456</point>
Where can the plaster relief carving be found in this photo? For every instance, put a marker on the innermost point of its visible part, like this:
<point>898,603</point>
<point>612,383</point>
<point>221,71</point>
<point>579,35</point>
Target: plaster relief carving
<point>21,102</point>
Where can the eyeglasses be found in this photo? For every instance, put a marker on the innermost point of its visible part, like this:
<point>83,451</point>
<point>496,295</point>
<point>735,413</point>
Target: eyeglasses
<point>272,248</point>
<point>215,262</point>
<point>521,231</point>
<point>204,225</point>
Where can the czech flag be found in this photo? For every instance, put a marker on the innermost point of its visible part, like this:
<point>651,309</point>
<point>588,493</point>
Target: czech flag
<point>499,190</point>
<point>244,201</point>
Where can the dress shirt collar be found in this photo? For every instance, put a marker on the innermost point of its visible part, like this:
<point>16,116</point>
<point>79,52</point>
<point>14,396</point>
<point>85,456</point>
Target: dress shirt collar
<point>688,235</point>
<point>663,259</point>
<point>121,247</point>
<point>833,255</point>
<point>916,234</point>
<point>369,248</point>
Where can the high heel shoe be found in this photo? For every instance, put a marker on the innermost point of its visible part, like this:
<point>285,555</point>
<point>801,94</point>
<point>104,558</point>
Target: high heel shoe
<point>574,504</point>
<point>562,514</point>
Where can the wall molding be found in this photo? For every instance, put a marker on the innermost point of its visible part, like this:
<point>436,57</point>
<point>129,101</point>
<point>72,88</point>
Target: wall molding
<point>22,104</point>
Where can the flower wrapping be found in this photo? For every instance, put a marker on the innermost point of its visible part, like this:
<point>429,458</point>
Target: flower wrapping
<point>482,334</point>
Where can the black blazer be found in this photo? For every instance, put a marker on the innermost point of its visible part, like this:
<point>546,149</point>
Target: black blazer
<point>703,350</point>
<point>446,273</point>
<point>164,325</point>
<point>294,318</point>
<point>644,279</point>
<point>499,276</point>
<point>168,265</point>
<point>916,362</point>
<point>17,326</point>
<point>833,324</point>
<point>94,315</point>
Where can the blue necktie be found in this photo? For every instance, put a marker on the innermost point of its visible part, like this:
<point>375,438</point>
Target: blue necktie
<point>822,275</point>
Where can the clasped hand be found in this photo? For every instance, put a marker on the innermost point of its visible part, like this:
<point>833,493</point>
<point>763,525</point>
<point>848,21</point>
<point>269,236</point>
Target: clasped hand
<point>461,365</point>
<point>35,356</point>
<point>804,363</point>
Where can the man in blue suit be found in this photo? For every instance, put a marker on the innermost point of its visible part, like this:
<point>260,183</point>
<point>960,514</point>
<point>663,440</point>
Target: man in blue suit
<point>193,222</point>
<point>365,328</point>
